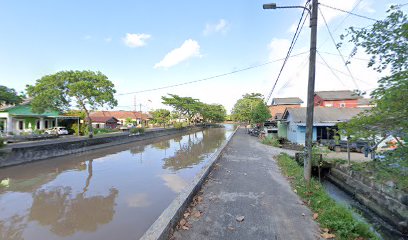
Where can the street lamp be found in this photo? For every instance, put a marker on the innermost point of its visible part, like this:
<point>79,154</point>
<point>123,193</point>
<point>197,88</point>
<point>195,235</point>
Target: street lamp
<point>310,85</point>
<point>274,6</point>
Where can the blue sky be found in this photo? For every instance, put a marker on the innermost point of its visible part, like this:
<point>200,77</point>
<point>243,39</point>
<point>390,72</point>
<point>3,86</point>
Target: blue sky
<point>148,44</point>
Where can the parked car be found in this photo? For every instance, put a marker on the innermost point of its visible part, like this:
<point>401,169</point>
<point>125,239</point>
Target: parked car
<point>57,131</point>
<point>358,146</point>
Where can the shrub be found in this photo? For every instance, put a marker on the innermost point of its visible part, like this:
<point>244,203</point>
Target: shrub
<point>178,125</point>
<point>270,140</point>
<point>137,130</point>
<point>331,215</point>
<point>1,142</point>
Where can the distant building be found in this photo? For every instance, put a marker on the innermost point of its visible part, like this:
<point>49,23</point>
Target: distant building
<point>20,119</point>
<point>293,123</point>
<point>121,116</point>
<point>279,105</point>
<point>104,122</point>
<point>336,99</point>
<point>365,102</point>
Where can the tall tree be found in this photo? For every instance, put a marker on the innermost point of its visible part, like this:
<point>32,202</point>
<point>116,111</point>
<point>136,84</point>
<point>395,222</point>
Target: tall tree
<point>185,106</point>
<point>243,108</point>
<point>161,116</point>
<point>260,113</point>
<point>87,90</point>
<point>213,112</point>
<point>386,42</point>
<point>9,96</point>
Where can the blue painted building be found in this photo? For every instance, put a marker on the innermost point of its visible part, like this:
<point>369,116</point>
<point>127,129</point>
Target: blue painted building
<point>325,120</point>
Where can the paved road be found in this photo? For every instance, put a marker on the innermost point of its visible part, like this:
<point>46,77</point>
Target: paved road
<point>247,182</point>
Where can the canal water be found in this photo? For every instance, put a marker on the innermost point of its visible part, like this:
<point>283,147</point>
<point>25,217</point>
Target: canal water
<point>381,228</point>
<point>113,193</point>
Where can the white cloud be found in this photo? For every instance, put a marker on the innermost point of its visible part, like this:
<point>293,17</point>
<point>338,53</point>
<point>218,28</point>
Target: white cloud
<point>108,39</point>
<point>190,48</point>
<point>87,37</point>
<point>135,39</point>
<point>221,26</point>
<point>278,48</point>
<point>174,182</point>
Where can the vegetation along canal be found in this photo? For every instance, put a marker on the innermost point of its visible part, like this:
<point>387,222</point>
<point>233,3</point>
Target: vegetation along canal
<point>114,193</point>
<point>382,229</point>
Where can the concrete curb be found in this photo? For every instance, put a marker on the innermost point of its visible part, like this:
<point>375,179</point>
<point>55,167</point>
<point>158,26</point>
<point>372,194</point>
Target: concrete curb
<point>164,224</point>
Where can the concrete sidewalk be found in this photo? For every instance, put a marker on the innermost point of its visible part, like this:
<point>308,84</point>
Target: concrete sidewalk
<point>246,184</point>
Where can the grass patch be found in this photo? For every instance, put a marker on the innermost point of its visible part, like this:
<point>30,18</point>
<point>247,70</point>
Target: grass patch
<point>269,140</point>
<point>337,218</point>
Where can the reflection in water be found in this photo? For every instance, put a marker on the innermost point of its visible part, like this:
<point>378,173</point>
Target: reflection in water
<point>108,193</point>
<point>174,182</point>
<point>65,215</point>
<point>12,228</point>
<point>195,149</point>
<point>138,200</point>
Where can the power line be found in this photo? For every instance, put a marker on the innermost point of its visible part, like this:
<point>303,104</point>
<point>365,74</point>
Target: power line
<point>292,44</point>
<point>300,68</point>
<point>342,21</point>
<point>332,71</point>
<point>335,54</point>
<point>354,14</point>
<point>209,78</point>
<point>338,50</point>
<point>345,74</point>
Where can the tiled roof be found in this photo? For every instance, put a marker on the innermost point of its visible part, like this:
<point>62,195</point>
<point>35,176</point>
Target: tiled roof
<point>337,95</point>
<point>286,101</point>
<point>323,114</point>
<point>103,119</point>
<point>120,114</point>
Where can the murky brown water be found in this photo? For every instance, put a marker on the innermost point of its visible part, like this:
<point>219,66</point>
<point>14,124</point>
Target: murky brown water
<point>114,193</point>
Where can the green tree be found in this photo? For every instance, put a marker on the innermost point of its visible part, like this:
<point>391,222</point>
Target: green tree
<point>260,113</point>
<point>386,42</point>
<point>87,90</point>
<point>161,116</point>
<point>243,108</point>
<point>128,121</point>
<point>185,106</point>
<point>213,113</point>
<point>9,96</point>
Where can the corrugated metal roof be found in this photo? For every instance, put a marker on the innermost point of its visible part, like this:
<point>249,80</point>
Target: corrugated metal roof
<point>324,114</point>
<point>286,101</point>
<point>337,95</point>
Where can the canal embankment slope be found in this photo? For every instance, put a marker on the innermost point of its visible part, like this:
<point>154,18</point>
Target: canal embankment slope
<point>16,154</point>
<point>246,197</point>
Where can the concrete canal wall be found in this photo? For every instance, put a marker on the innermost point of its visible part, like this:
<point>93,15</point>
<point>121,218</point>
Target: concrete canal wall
<point>387,202</point>
<point>24,153</point>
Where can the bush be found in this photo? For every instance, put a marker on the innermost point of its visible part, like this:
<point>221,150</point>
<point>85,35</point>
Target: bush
<point>137,130</point>
<point>270,140</point>
<point>331,215</point>
<point>1,142</point>
<point>178,125</point>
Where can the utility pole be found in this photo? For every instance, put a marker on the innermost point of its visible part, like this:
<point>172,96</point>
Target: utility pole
<point>310,93</point>
<point>134,103</point>
<point>310,85</point>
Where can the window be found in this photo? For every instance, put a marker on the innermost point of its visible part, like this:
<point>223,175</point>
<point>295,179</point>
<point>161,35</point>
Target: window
<point>20,125</point>
<point>37,124</point>
<point>46,123</point>
<point>342,105</point>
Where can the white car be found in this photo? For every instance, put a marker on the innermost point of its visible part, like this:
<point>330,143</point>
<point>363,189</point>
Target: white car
<point>57,130</point>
